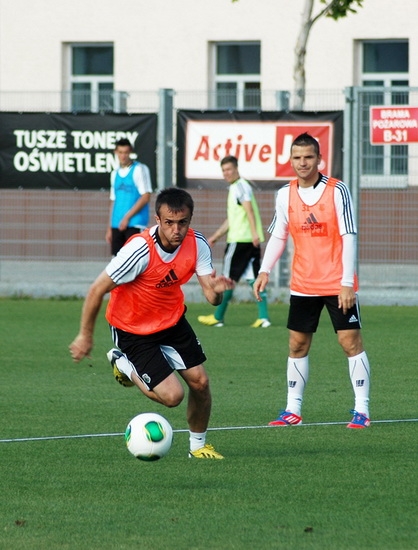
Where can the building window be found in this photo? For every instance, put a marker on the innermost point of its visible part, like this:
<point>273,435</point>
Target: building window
<point>91,77</point>
<point>384,64</point>
<point>237,75</point>
<point>385,57</point>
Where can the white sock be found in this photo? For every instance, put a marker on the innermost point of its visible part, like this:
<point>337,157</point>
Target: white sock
<point>359,370</point>
<point>125,366</point>
<point>197,440</point>
<point>297,377</point>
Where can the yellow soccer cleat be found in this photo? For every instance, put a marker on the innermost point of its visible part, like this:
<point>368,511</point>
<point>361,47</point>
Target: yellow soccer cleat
<point>210,321</point>
<point>120,377</point>
<point>261,323</point>
<point>206,452</point>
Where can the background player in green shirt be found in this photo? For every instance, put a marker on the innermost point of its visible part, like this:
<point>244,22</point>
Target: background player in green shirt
<point>244,235</point>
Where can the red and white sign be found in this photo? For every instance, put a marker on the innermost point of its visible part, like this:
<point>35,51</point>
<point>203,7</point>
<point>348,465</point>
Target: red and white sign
<point>262,148</point>
<point>392,125</point>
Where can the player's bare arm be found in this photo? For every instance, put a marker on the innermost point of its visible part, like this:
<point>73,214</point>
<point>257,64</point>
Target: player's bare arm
<point>108,235</point>
<point>260,284</point>
<point>346,298</point>
<point>220,232</point>
<point>214,286</point>
<point>83,342</point>
<point>248,207</point>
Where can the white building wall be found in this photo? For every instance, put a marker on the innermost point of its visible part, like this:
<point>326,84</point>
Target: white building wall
<point>164,43</point>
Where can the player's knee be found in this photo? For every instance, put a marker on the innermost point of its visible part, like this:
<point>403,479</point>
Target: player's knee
<point>200,385</point>
<point>170,396</point>
<point>351,342</point>
<point>173,400</point>
<point>298,347</point>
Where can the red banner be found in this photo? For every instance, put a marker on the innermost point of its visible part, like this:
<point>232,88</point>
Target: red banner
<point>393,125</point>
<point>260,141</point>
<point>286,133</point>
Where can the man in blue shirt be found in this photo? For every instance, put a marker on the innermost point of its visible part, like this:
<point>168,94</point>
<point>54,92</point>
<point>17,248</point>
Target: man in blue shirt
<point>130,193</point>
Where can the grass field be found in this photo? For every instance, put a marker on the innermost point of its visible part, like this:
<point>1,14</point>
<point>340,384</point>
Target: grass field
<point>317,486</point>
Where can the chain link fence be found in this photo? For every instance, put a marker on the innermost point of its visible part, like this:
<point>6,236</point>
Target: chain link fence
<point>52,242</point>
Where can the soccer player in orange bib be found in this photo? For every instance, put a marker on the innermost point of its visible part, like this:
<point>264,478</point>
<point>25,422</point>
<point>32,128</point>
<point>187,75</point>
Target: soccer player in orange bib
<point>317,211</point>
<point>146,314</point>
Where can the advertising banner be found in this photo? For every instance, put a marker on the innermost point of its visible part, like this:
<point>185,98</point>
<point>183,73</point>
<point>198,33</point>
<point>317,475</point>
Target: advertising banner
<point>393,125</point>
<point>70,151</point>
<point>260,140</point>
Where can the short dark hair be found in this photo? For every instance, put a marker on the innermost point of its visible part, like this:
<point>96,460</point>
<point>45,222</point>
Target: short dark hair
<point>123,143</point>
<point>230,159</point>
<point>175,198</point>
<point>304,140</point>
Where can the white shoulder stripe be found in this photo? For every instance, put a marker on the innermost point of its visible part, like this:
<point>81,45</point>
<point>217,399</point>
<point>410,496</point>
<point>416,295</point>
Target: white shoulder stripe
<point>200,236</point>
<point>127,264</point>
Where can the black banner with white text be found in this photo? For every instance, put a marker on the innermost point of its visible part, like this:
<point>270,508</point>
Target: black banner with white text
<point>70,151</point>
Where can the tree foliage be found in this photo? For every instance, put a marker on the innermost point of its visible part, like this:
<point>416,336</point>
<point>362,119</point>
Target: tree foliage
<point>340,8</point>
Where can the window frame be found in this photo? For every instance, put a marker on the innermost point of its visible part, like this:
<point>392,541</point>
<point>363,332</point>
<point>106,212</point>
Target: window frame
<point>387,178</point>
<point>240,80</point>
<point>93,80</point>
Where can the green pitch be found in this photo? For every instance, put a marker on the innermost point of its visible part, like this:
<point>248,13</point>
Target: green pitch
<point>317,486</point>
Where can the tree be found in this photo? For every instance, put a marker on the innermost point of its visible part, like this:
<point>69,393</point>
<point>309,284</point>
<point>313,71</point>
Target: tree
<point>336,9</point>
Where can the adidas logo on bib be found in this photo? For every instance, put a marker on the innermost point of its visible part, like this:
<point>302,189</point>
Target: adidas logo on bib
<point>169,280</point>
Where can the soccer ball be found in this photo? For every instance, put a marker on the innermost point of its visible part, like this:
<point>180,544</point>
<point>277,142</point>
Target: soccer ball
<point>148,436</point>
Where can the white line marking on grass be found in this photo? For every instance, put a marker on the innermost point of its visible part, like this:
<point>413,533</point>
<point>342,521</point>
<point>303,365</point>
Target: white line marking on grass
<point>47,438</point>
<point>82,436</point>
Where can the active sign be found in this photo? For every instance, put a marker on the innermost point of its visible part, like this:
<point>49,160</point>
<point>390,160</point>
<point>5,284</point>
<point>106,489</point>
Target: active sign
<point>261,141</point>
<point>392,125</point>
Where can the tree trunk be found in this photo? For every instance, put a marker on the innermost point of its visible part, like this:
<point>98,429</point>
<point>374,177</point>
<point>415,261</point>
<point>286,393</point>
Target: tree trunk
<point>299,75</point>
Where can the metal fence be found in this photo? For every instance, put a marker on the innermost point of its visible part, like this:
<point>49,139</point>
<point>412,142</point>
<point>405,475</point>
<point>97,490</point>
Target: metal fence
<point>384,183</point>
<point>149,101</point>
<point>43,229</point>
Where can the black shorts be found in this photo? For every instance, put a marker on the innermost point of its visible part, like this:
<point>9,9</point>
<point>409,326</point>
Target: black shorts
<point>238,258</point>
<point>305,311</point>
<point>156,356</point>
<point>119,238</point>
